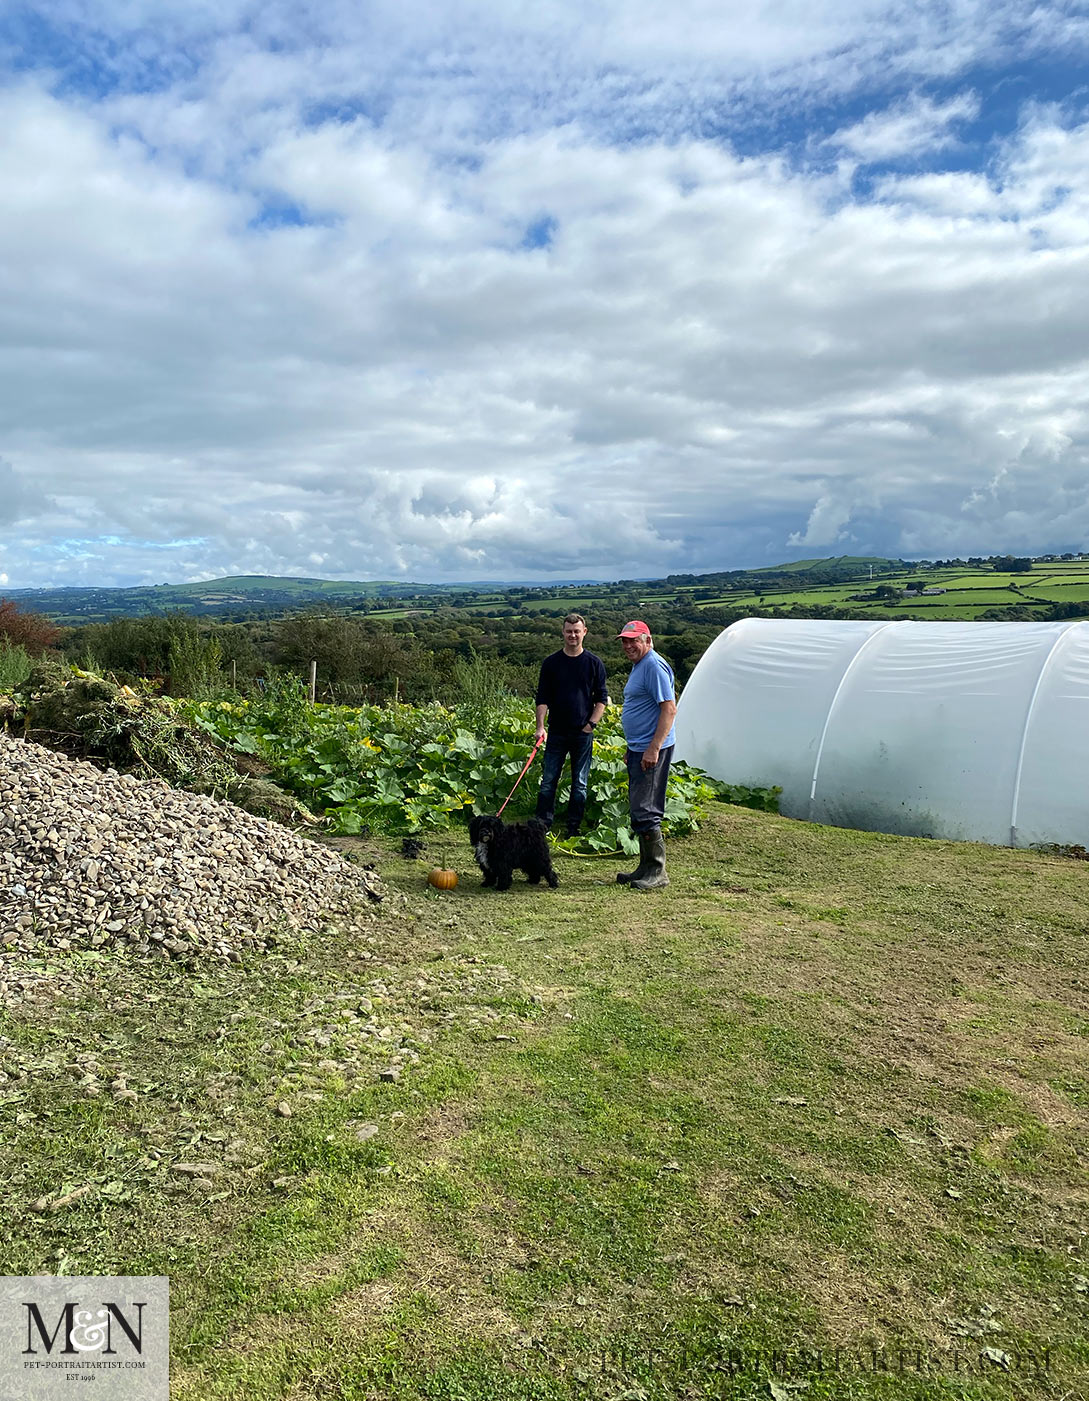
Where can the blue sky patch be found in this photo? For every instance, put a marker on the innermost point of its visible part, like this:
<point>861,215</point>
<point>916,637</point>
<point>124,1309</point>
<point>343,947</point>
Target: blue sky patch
<point>540,233</point>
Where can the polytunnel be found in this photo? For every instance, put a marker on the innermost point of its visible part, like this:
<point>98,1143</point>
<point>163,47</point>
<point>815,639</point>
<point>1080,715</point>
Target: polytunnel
<point>975,731</point>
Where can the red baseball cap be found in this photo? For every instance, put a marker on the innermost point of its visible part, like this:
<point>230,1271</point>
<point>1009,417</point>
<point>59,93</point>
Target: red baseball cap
<point>634,629</point>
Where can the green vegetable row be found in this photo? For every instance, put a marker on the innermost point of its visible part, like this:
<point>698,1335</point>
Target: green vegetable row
<point>408,769</point>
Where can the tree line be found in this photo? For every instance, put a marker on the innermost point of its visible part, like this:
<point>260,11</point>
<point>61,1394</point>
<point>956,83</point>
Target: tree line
<point>427,655</point>
<point>359,660</point>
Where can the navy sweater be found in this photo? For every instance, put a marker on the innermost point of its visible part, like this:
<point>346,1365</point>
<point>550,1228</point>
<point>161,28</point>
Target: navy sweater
<point>571,687</point>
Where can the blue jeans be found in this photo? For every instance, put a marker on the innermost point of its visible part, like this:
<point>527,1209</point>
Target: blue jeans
<point>647,790</point>
<point>580,747</point>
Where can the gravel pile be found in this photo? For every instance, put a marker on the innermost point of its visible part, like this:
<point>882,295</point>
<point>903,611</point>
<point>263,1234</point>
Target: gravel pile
<point>91,858</point>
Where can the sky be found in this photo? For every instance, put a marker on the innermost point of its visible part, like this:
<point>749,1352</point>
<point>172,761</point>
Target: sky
<point>483,289</point>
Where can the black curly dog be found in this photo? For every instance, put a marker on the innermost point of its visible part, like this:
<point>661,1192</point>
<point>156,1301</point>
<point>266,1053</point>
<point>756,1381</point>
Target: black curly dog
<point>501,850</point>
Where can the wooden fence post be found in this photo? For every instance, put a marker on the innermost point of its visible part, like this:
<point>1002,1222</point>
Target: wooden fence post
<point>313,682</point>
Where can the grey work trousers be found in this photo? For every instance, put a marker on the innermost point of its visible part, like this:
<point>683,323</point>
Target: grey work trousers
<point>647,790</point>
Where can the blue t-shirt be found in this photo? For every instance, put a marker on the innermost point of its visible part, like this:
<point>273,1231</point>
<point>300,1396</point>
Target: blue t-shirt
<point>650,683</point>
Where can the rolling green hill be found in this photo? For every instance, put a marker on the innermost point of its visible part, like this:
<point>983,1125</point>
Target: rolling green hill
<point>859,563</point>
<point>860,584</point>
<point>239,595</point>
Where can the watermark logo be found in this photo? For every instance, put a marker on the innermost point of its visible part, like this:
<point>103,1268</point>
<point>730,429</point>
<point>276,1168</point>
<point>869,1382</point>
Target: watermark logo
<point>81,1334</point>
<point>112,1332</point>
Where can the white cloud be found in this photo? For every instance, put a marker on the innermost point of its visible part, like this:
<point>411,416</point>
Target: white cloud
<point>826,524</point>
<point>913,128</point>
<point>707,360</point>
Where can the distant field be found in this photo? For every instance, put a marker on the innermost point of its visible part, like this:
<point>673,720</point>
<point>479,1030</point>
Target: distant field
<point>1061,592</point>
<point>968,592</point>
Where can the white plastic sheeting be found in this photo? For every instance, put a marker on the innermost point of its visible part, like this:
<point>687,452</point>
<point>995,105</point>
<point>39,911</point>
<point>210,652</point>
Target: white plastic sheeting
<point>973,731</point>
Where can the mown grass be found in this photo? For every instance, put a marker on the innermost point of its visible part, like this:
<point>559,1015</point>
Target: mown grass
<point>828,1091</point>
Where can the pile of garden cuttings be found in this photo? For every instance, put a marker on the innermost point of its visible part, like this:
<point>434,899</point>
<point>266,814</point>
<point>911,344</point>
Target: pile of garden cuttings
<point>91,717</point>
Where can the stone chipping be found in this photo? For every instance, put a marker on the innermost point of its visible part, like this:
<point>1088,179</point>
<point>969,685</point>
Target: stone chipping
<point>92,858</point>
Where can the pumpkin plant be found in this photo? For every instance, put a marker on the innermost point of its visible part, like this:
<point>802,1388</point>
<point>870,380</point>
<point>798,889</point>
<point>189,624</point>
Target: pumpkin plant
<point>416,769</point>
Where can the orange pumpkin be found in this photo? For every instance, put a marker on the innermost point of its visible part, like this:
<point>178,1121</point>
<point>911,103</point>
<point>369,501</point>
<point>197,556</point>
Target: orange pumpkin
<point>442,879</point>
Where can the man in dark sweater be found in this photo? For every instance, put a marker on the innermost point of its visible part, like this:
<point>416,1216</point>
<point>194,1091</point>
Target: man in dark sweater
<point>571,692</point>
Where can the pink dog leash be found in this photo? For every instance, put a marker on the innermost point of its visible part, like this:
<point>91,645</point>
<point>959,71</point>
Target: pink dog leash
<point>532,756</point>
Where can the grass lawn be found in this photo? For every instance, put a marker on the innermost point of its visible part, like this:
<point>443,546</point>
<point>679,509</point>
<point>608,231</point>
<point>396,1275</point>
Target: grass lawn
<point>827,1091</point>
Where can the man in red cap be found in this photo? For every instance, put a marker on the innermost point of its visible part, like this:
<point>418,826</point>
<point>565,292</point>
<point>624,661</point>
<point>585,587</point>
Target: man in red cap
<point>649,707</point>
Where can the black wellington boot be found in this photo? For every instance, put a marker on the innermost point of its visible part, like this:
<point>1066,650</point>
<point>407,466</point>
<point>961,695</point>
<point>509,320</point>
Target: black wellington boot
<point>655,877</point>
<point>626,877</point>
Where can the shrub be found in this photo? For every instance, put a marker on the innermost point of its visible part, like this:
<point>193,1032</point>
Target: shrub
<point>15,665</point>
<point>482,690</point>
<point>33,632</point>
<point>195,666</point>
